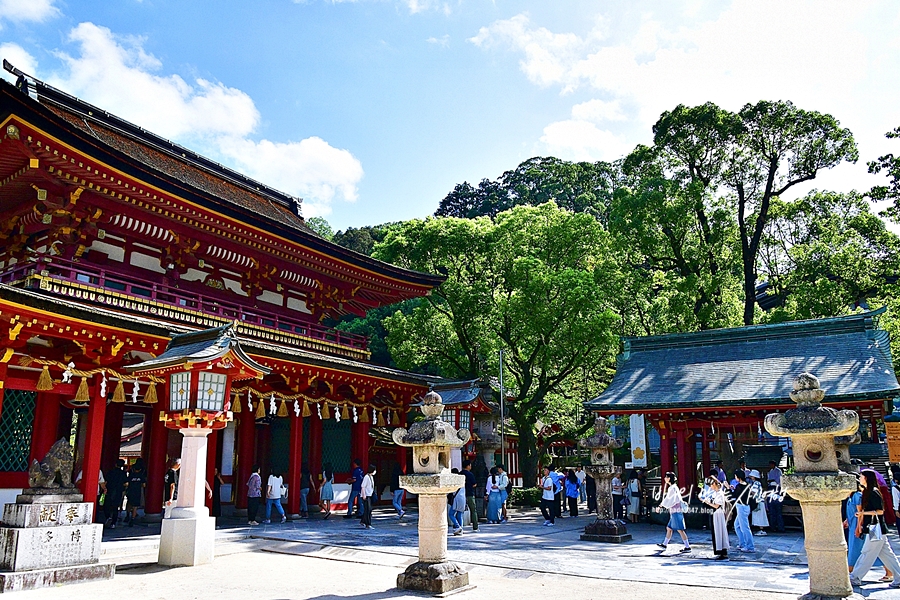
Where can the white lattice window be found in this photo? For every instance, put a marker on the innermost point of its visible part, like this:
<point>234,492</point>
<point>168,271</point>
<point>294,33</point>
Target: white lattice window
<point>464,419</point>
<point>211,391</point>
<point>180,390</point>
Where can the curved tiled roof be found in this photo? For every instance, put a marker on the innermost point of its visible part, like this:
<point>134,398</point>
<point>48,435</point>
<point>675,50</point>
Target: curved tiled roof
<point>752,366</point>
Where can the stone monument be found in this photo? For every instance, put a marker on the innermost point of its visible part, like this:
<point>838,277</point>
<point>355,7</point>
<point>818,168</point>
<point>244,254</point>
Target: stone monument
<point>431,441</point>
<point>602,468</point>
<point>818,483</point>
<point>48,537</point>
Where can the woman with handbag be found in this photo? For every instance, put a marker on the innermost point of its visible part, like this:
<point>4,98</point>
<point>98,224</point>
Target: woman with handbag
<point>872,528</point>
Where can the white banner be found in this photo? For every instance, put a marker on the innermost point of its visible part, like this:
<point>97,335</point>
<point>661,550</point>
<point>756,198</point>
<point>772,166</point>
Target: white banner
<point>638,441</point>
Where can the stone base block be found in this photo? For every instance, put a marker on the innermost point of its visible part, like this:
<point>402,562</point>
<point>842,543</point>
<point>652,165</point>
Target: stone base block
<point>187,542</point>
<point>47,514</point>
<point>614,539</point>
<point>49,547</point>
<point>41,578</point>
<point>37,497</point>
<point>812,596</point>
<point>433,578</point>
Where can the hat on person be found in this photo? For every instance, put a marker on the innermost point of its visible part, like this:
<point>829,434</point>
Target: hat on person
<point>754,473</point>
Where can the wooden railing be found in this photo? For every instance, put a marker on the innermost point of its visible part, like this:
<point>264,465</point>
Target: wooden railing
<point>59,275</point>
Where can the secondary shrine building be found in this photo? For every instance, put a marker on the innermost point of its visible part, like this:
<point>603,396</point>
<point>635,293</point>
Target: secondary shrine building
<point>113,240</point>
<point>707,393</point>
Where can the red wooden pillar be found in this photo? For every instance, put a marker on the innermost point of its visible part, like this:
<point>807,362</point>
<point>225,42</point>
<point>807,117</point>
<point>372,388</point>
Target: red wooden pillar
<point>295,461</point>
<point>359,444</point>
<point>665,448</point>
<point>875,439</point>
<point>246,455</point>
<point>315,442</point>
<point>156,461</point>
<point>93,443</point>
<point>684,457</point>
<point>704,453</point>
<point>46,424</point>
<point>212,461</point>
<point>112,435</point>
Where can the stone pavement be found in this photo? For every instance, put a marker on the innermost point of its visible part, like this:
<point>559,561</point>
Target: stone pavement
<point>526,549</point>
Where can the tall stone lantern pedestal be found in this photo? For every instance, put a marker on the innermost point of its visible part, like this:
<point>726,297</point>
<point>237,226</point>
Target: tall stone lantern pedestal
<point>818,484</point>
<point>432,480</point>
<point>198,369</point>
<point>602,468</point>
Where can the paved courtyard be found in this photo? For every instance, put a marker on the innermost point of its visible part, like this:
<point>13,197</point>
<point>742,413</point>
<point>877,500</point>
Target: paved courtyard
<point>517,553</point>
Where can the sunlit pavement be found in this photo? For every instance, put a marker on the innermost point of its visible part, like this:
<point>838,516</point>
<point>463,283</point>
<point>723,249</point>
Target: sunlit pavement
<point>524,546</point>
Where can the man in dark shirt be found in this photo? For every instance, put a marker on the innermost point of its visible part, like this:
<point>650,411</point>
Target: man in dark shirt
<point>171,481</point>
<point>115,493</point>
<point>470,486</point>
<point>355,482</point>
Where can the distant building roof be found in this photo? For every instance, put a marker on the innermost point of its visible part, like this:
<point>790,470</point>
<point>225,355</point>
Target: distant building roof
<point>752,366</point>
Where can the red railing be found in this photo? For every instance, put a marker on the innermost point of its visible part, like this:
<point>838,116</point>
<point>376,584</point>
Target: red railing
<point>92,275</point>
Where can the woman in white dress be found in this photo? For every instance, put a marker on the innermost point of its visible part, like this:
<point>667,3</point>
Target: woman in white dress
<point>716,500</point>
<point>759,517</point>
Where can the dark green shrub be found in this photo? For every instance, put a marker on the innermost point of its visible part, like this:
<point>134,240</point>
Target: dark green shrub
<point>525,497</point>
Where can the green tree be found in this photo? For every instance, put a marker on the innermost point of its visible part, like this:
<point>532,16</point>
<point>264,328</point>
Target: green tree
<point>362,239</point>
<point>533,281</point>
<point>890,165</point>
<point>321,226</point>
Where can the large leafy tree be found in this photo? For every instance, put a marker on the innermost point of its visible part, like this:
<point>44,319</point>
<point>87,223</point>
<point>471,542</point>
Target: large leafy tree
<point>534,281</point>
<point>753,156</point>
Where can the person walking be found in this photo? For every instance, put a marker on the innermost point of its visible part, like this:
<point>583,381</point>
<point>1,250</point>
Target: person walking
<point>674,503</point>
<point>895,491</point>
<point>872,528</point>
<point>715,499</point>
<point>775,498</point>
<point>573,486</point>
<point>326,490</point>
<point>355,481</point>
<point>548,498</point>
<point>582,494</point>
<point>617,489</point>
<point>134,490</point>
<point>171,484</point>
<point>274,490</point>
<point>505,487</point>
<point>396,490</point>
<point>854,544</point>
<point>471,485</point>
<point>494,497</point>
<point>742,502</point>
<point>758,517</point>
<point>116,480</point>
<point>306,484</point>
<point>217,493</point>
<point>366,491</point>
<point>457,501</point>
<point>633,491</point>
<point>254,495</point>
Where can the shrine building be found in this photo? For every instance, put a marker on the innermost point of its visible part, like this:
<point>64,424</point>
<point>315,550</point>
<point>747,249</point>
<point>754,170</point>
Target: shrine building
<point>708,393</point>
<point>114,240</point>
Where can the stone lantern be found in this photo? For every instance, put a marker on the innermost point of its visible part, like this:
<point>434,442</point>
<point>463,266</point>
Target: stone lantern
<point>818,483</point>
<point>603,469</point>
<point>842,445</point>
<point>431,441</point>
<point>199,369</point>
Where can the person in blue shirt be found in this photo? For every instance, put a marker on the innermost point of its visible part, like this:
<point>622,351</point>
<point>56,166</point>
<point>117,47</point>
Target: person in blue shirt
<point>572,488</point>
<point>355,482</point>
<point>558,479</point>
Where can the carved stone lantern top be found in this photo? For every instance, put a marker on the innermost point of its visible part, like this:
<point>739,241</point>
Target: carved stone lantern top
<point>601,437</point>
<point>432,438</point>
<point>810,418</point>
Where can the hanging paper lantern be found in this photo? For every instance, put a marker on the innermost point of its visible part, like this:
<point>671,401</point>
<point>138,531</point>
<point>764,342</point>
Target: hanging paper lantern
<point>119,394</point>
<point>83,395</point>
<point>150,394</point>
<point>44,382</point>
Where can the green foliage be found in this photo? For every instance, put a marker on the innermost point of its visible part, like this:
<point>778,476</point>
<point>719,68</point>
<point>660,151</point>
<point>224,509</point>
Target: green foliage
<point>534,281</point>
<point>363,239</point>
<point>372,326</point>
<point>890,165</point>
<point>321,226</point>
<point>530,496</point>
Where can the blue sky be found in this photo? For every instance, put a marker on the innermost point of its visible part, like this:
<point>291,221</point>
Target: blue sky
<point>372,110</point>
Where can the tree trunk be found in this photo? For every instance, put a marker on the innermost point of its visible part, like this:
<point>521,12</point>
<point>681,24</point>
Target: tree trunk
<point>528,454</point>
<point>749,288</point>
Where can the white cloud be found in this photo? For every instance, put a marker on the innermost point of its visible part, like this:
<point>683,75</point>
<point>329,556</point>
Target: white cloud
<point>19,57</point>
<point>27,10</point>
<point>580,140</point>
<point>444,40</point>
<point>117,74</point>
<point>598,111</point>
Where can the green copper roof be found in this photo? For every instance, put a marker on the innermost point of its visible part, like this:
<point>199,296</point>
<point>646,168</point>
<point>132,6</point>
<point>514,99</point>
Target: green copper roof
<point>754,365</point>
